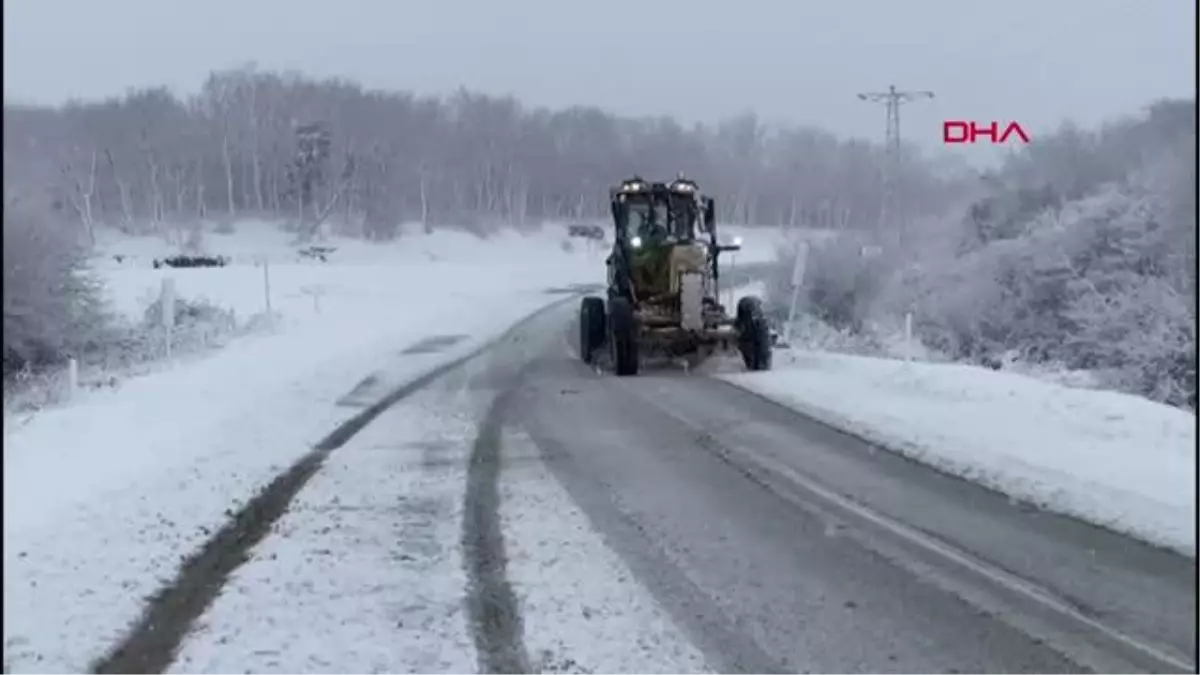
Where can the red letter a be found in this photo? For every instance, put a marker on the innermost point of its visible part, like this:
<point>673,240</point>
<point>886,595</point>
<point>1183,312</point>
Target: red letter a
<point>1013,127</point>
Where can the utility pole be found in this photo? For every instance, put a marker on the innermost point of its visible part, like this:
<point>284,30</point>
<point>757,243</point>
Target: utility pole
<point>891,214</point>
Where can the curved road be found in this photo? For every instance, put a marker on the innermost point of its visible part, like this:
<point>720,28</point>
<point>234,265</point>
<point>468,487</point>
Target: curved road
<point>779,544</point>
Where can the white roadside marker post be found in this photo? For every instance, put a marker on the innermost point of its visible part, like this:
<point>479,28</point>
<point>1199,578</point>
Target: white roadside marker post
<point>72,377</point>
<point>908,345</point>
<point>267,285</point>
<point>798,268</point>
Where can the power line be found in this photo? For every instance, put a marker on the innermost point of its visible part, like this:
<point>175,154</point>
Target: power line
<point>891,214</point>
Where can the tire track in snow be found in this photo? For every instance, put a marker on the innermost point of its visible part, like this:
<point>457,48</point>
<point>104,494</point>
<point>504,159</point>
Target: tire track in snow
<point>151,645</point>
<point>495,615</point>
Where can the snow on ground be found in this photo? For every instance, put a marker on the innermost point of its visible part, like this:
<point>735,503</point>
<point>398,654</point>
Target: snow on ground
<point>364,572</point>
<point>357,273</point>
<point>888,341</point>
<point>578,597</point>
<point>104,496</point>
<point>1116,460</point>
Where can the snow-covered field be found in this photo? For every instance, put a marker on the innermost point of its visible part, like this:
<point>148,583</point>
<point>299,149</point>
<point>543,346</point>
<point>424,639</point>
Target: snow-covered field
<point>1113,459</point>
<point>105,495</point>
<point>358,275</point>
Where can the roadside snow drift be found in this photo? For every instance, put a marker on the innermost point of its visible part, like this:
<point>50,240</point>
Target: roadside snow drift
<point>1115,460</point>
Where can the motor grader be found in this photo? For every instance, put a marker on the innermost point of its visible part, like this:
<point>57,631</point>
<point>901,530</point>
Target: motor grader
<point>663,285</point>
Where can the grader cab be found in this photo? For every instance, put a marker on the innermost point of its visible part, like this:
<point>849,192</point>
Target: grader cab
<point>663,284</point>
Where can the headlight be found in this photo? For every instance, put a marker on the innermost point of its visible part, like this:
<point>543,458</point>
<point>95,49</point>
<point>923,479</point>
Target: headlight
<point>737,241</point>
<point>636,242</point>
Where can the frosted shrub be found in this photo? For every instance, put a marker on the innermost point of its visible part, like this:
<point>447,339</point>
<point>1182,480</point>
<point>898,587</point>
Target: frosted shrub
<point>52,304</point>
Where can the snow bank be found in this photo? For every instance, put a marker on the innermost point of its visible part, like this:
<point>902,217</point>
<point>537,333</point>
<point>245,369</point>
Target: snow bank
<point>1115,460</point>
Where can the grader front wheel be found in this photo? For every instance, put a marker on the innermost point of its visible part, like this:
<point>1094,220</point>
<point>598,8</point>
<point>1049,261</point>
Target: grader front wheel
<point>623,336</point>
<point>754,335</point>
<point>591,328</point>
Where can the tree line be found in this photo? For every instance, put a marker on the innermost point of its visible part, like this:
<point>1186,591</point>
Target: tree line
<point>283,145</point>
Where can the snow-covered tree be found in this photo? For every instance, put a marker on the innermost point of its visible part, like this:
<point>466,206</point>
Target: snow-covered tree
<point>1081,253</point>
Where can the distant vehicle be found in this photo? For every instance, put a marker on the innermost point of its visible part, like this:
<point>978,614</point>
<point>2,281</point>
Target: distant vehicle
<point>192,261</point>
<point>663,284</point>
<point>321,253</point>
<point>586,232</point>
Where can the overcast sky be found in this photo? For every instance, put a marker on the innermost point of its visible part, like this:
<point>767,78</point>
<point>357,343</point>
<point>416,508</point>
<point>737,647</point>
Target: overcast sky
<point>1033,61</point>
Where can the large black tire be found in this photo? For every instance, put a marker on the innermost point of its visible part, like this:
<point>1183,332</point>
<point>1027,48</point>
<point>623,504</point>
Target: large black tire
<point>623,336</point>
<point>591,328</point>
<point>754,335</point>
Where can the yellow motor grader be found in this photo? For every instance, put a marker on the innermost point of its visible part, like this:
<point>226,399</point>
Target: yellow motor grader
<point>663,284</point>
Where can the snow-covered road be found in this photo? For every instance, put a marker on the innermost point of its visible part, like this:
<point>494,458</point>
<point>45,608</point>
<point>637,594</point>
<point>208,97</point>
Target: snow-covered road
<point>407,553</point>
<point>364,572</point>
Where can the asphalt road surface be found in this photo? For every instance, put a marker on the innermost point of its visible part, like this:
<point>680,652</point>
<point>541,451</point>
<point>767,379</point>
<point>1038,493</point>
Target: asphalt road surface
<point>780,544</point>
